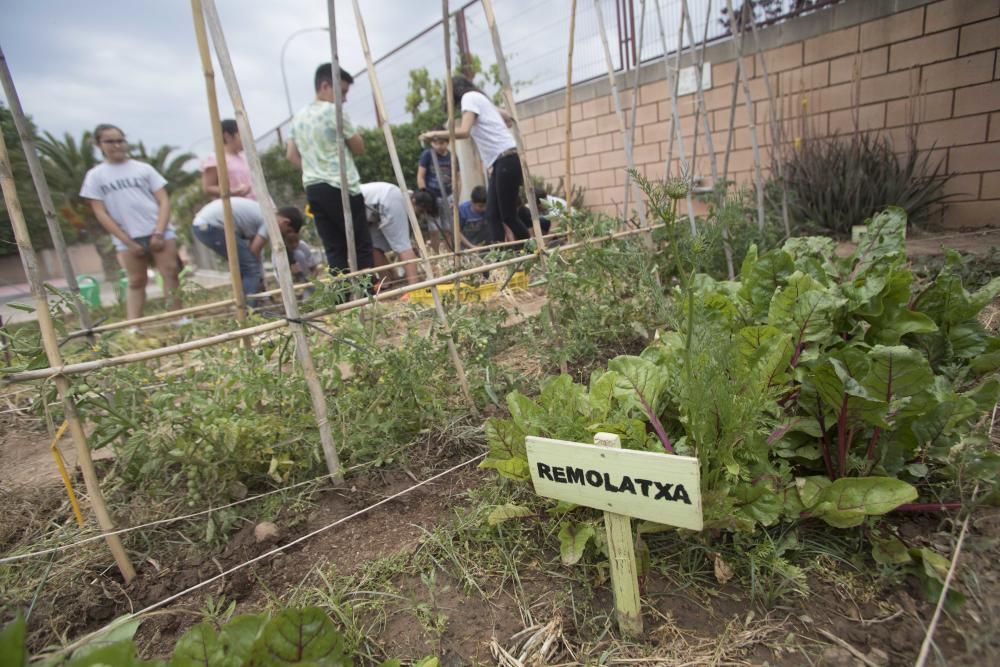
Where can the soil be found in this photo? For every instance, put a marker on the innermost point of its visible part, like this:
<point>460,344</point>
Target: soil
<point>693,624</point>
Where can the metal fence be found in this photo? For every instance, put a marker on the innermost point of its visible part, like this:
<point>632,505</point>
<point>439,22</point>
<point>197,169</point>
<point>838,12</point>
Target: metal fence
<point>535,39</point>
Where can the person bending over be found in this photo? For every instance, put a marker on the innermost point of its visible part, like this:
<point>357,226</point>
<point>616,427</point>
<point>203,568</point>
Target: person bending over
<point>129,199</point>
<point>251,235</point>
<point>312,146</point>
<point>390,228</point>
<point>300,255</point>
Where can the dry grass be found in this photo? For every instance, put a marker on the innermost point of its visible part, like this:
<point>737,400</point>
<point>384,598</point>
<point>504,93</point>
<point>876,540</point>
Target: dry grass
<point>545,644</point>
<point>990,317</point>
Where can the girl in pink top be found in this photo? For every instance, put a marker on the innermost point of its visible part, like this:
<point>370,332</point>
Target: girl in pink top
<point>240,183</point>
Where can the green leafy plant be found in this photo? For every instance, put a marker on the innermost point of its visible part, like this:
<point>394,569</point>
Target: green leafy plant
<point>814,387</point>
<point>293,636</point>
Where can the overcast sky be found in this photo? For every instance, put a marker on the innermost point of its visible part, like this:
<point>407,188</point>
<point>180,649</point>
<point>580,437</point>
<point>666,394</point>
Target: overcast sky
<point>135,63</point>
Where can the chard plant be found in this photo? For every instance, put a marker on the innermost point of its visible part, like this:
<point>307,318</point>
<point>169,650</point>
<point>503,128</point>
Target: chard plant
<point>293,636</point>
<point>814,387</point>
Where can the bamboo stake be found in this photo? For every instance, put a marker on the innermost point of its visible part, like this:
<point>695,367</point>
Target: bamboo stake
<point>452,146</point>
<point>44,194</point>
<point>338,101</point>
<point>729,131</point>
<point>748,101</point>
<point>702,110</point>
<point>630,186</point>
<point>180,348</point>
<point>145,355</point>
<point>635,110</point>
<point>568,179</point>
<point>529,186</point>
<point>228,228</point>
<point>672,89</point>
<point>776,133</point>
<point>30,262</point>
<point>508,95</point>
<point>456,360</point>
<point>279,255</point>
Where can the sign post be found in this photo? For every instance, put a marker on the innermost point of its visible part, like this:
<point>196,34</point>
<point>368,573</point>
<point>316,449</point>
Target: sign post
<point>624,483</point>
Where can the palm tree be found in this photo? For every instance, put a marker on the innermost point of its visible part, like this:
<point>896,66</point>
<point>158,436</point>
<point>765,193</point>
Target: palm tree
<point>171,168</point>
<point>30,207</point>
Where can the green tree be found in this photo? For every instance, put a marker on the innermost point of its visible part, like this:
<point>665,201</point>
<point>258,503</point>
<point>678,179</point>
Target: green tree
<point>375,165</point>
<point>25,191</point>
<point>171,167</point>
<point>284,180</point>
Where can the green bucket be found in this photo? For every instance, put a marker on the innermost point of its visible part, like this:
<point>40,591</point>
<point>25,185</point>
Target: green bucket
<point>121,286</point>
<point>90,290</point>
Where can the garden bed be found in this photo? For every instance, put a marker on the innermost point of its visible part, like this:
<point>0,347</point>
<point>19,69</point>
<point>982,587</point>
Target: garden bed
<point>435,572</point>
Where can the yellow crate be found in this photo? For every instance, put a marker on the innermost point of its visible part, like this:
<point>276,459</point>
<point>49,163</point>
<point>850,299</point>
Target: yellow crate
<point>467,292</point>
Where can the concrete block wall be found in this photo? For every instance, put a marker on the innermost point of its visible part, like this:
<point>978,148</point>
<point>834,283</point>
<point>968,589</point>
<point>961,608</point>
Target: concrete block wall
<point>924,66</point>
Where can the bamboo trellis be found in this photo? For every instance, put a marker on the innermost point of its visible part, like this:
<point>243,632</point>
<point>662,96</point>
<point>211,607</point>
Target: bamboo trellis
<point>293,320</point>
<point>616,98</point>
<point>672,78</point>
<point>229,336</point>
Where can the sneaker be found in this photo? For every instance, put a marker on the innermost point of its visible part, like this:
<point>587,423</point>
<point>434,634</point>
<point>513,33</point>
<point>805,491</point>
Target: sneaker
<point>132,330</point>
<point>183,321</point>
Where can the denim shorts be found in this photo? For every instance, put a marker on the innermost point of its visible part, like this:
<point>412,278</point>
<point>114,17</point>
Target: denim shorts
<point>142,240</point>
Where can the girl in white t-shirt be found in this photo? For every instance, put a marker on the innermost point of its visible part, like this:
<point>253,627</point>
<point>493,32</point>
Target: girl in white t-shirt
<point>129,199</point>
<point>488,126</point>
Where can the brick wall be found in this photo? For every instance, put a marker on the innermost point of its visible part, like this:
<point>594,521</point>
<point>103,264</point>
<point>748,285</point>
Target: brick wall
<point>932,62</point>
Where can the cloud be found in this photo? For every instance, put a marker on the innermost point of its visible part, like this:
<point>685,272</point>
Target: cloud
<point>135,63</point>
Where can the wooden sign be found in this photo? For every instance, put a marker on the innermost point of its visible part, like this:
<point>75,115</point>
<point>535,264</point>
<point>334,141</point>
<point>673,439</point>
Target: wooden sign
<point>624,483</point>
<point>645,485</point>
